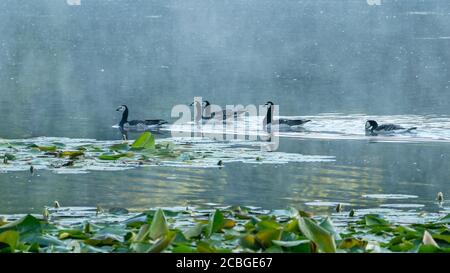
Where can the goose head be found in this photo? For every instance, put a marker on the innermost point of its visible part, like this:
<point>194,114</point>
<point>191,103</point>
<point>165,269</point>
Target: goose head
<point>371,124</point>
<point>122,108</point>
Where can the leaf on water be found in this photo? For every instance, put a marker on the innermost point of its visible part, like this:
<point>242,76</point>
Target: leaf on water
<point>203,247</point>
<point>104,240</point>
<point>290,212</point>
<point>114,156</point>
<point>267,236</point>
<point>305,214</point>
<point>248,241</point>
<point>10,238</point>
<point>182,248</point>
<point>289,244</point>
<point>140,247</point>
<point>445,219</point>
<point>268,225</point>
<point>3,221</point>
<point>292,226</point>
<point>159,225</point>
<point>400,244</point>
<point>143,233</point>
<point>194,232</point>
<point>136,221</point>
<point>229,223</point>
<point>320,236</point>
<point>442,237</point>
<point>26,224</point>
<point>117,210</point>
<point>375,220</point>
<point>328,225</point>
<point>428,239</point>
<point>120,147</point>
<point>274,249</point>
<point>215,223</point>
<point>71,154</point>
<point>72,233</point>
<point>429,249</point>
<point>144,141</point>
<point>45,240</point>
<point>348,243</point>
<point>46,148</point>
<point>407,232</point>
<point>163,242</point>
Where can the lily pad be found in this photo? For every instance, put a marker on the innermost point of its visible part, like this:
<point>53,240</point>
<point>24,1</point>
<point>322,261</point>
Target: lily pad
<point>320,236</point>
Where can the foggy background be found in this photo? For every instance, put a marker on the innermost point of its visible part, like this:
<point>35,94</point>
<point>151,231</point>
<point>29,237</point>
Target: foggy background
<point>64,69</point>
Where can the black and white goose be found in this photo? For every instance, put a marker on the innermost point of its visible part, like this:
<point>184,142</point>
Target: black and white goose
<point>224,114</point>
<point>372,128</point>
<point>137,125</point>
<point>283,123</point>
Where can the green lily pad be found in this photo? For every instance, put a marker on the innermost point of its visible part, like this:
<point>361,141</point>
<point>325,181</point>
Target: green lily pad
<point>144,141</point>
<point>163,242</point>
<point>159,225</point>
<point>375,220</point>
<point>9,238</point>
<point>320,236</point>
<point>216,221</point>
<point>195,231</point>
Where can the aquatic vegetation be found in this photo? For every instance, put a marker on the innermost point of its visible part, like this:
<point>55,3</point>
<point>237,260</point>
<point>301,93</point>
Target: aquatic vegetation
<point>66,155</point>
<point>217,230</point>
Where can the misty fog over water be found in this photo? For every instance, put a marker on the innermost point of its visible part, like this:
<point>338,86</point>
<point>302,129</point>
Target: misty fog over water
<point>64,69</point>
<point>67,67</point>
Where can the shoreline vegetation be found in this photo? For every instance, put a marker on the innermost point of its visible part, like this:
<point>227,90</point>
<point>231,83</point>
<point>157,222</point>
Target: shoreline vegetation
<point>219,230</point>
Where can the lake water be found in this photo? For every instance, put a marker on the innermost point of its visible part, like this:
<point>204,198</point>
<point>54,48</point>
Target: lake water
<point>414,167</point>
<point>64,69</point>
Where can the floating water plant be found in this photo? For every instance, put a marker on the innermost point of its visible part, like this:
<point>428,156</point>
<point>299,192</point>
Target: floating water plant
<point>229,229</point>
<point>66,155</point>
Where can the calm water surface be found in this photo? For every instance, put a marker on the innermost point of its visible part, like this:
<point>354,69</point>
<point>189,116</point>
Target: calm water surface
<point>413,166</point>
<point>64,69</point>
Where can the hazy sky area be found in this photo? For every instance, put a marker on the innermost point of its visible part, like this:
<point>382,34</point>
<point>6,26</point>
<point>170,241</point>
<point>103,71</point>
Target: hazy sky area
<point>64,69</point>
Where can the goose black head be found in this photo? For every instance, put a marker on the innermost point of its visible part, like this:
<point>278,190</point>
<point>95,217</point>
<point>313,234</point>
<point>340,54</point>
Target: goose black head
<point>371,124</point>
<point>269,103</point>
<point>206,103</point>
<point>122,108</point>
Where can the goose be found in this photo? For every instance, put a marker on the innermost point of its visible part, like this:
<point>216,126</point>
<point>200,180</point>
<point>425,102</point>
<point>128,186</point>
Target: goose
<point>372,128</point>
<point>137,125</point>
<point>225,114</point>
<point>288,123</point>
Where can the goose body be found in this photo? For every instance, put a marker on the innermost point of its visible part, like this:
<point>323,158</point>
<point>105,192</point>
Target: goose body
<point>283,123</point>
<point>137,125</point>
<point>226,114</point>
<point>220,115</point>
<point>373,128</point>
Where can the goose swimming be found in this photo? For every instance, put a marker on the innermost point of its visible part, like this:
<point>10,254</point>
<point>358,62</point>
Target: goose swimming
<point>372,128</point>
<point>284,123</point>
<point>137,125</point>
<point>224,114</point>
